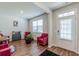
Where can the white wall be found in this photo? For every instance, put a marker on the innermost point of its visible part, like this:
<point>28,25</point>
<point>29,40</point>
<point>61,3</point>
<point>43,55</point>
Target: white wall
<point>77,31</point>
<point>6,25</point>
<point>70,45</point>
<point>45,22</point>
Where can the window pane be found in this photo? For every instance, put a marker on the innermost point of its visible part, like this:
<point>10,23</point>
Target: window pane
<point>40,29</point>
<point>34,28</point>
<point>61,35</point>
<point>68,36</point>
<point>34,23</point>
<point>38,26</point>
<point>65,28</point>
<point>40,22</point>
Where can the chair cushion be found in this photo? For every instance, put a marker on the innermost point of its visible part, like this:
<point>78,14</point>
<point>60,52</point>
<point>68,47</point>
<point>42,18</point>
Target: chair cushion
<point>43,39</point>
<point>2,46</point>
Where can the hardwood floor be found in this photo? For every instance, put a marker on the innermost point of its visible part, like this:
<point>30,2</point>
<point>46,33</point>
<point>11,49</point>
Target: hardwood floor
<point>62,52</point>
<point>23,49</point>
<point>35,49</point>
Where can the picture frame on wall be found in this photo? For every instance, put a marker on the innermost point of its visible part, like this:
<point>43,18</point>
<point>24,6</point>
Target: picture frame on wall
<point>15,23</point>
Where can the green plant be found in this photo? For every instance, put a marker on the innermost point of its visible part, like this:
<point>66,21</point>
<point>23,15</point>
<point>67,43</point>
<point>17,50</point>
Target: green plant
<point>29,38</point>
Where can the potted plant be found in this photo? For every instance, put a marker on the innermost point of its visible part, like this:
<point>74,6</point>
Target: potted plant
<point>29,39</point>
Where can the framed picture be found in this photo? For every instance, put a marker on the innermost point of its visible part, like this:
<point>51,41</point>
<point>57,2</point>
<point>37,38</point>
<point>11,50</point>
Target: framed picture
<point>15,23</point>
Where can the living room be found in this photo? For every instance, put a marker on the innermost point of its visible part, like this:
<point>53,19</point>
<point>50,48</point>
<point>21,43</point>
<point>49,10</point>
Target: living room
<point>52,26</point>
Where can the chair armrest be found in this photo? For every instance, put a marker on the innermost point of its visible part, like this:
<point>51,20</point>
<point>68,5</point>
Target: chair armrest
<point>5,52</point>
<point>4,49</point>
<point>2,46</point>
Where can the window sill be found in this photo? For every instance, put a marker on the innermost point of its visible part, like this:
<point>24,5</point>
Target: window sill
<point>66,39</point>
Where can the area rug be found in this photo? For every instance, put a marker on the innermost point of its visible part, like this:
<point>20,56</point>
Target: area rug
<point>48,53</point>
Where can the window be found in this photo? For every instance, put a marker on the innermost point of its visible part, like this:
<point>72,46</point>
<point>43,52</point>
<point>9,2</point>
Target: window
<point>66,14</point>
<point>38,26</point>
<point>65,29</point>
<point>34,26</point>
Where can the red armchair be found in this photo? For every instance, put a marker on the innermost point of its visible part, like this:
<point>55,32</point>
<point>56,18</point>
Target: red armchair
<point>5,50</point>
<point>43,39</point>
<point>26,34</point>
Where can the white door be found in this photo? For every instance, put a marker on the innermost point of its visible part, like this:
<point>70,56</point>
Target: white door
<point>67,33</point>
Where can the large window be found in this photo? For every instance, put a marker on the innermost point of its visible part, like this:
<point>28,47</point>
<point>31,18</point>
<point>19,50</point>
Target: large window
<point>66,25</point>
<point>37,25</point>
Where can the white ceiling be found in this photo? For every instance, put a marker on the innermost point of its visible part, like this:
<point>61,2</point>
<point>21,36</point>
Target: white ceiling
<point>26,9</point>
<point>56,5</point>
<point>20,9</point>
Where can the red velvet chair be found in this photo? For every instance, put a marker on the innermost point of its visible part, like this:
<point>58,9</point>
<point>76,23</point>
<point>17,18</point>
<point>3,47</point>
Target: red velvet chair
<point>5,50</point>
<point>43,39</point>
<point>26,34</point>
